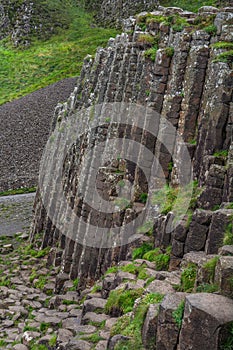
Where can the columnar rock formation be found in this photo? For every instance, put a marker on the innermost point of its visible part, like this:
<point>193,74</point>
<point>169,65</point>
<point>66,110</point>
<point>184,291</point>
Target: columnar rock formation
<point>23,19</point>
<point>179,65</point>
<point>193,90</point>
<point>115,12</point>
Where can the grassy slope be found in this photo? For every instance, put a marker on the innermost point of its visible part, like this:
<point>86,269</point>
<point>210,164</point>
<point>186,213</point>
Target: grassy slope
<point>190,5</point>
<point>45,62</point>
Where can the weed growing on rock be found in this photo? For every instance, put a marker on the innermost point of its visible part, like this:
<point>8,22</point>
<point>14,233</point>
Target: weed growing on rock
<point>151,53</point>
<point>210,266</point>
<point>222,153</point>
<point>146,39</point>
<point>188,278</point>
<point>222,45</point>
<point>139,271</point>
<point>120,301</point>
<point>227,342</point>
<point>212,29</point>
<point>178,314</point>
<point>138,253</point>
<point>131,327</point>
<point>93,338</point>
<point>226,57</point>
<point>207,288</point>
<point>228,237</point>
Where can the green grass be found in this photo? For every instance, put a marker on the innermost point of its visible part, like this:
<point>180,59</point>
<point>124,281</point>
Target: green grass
<point>122,301</point>
<point>139,252</point>
<point>222,153</point>
<point>207,288</point>
<point>227,343</point>
<point>191,5</point>
<point>188,278</point>
<point>161,260</point>
<point>209,267</point>
<point>75,285</point>
<point>18,191</point>
<point>132,327</point>
<point>139,271</point>
<point>93,338</point>
<point>3,342</point>
<point>228,237</point>
<point>151,53</point>
<point>226,57</point>
<point>223,45</point>
<point>53,340</point>
<point>45,62</point>
<point>178,314</point>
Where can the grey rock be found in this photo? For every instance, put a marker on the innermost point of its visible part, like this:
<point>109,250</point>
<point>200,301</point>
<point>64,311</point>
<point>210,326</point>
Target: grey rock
<point>78,345</point>
<point>204,314</point>
<point>94,305</point>
<point>93,317</point>
<point>64,335</point>
<point>149,329</point>
<point>112,342</point>
<point>161,287</point>
<point>224,275</point>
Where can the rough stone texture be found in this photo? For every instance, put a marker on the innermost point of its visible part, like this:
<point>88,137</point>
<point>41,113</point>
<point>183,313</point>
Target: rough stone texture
<point>221,219</point>
<point>224,275</point>
<point>226,250</point>
<point>114,12</point>
<point>21,20</point>
<point>24,127</point>
<point>198,231</point>
<point>16,214</point>
<point>114,340</point>
<point>167,329</point>
<point>184,88</point>
<point>149,329</point>
<point>200,310</point>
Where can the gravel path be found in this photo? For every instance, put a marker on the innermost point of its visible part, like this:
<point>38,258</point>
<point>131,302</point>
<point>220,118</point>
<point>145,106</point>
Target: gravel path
<point>16,213</point>
<point>24,130</point>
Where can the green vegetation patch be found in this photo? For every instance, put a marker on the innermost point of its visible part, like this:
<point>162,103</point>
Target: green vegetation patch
<point>222,153</point>
<point>132,327</point>
<point>191,5</point>
<point>122,301</point>
<point>223,45</point>
<point>139,271</point>
<point>178,314</point>
<point>151,53</point>
<point>207,288</point>
<point>46,62</point>
<point>210,266</point>
<point>93,338</point>
<point>138,253</point>
<point>18,191</point>
<point>228,237</point>
<point>188,278</point>
<point>173,198</point>
<point>226,57</point>
<point>227,341</point>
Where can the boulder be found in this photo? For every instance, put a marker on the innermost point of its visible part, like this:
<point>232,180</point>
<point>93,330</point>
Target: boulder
<point>168,329</point>
<point>94,305</point>
<point>205,317</point>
